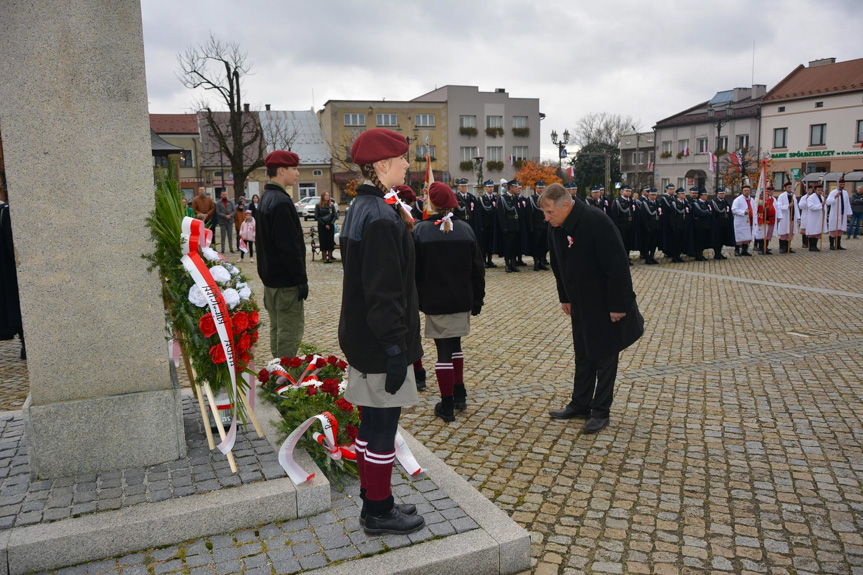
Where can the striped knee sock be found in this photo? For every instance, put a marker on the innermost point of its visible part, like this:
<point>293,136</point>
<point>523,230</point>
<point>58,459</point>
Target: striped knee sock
<point>458,367</point>
<point>445,379</point>
<point>378,472</point>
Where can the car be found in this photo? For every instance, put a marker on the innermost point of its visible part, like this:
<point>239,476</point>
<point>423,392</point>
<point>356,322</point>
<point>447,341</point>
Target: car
<point>306,207</point>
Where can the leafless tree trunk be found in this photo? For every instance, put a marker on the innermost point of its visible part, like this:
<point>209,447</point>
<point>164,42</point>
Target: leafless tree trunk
<point>603,128</point>
<point>219,67</point>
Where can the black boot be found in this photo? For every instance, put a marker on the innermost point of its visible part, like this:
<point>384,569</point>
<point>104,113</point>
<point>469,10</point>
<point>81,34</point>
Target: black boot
<point>736,250</point>
<point>832,241</point>
<point>509,266</point>
<point>489,263</point>
<point>699,257</point>
<point>745,251</point>
<point>839,243</point>
<point>543,264</point>
<point>805,242</point>
<point>717,254</point>
<point>444,409</point>
<point>783,247</point>
<point>520,262</point>
<point>459,396</point>
<point>420,376</point>
<point>536,265</point>
<point>813,245</point>
<point>406,508</point>
<point>384,517</point>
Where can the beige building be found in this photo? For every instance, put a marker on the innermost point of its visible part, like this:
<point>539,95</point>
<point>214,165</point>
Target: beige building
<point>812,120</point>
<point>181,130</point>
<point>637,158</point>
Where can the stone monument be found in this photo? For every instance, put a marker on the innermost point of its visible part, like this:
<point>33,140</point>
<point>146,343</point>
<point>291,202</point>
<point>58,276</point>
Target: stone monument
<point>75,124</point>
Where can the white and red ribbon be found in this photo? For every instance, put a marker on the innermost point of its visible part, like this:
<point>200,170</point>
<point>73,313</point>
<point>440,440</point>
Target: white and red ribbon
<point>446,218</point>
<point>190,238</point>
<point>393,198</point>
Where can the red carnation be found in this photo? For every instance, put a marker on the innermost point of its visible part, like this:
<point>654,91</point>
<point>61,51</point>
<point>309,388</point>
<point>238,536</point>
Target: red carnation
<point>254,319</point>
<point>342,365</point>
<point>217,354</point>
<point>332,360</point>
<point>344,405</point>
<point>244,343</point>
<point>264,375</point>
<point>311,390</point>
<point>240,322</point>
<point>207,325</point>
<point>351,432</point>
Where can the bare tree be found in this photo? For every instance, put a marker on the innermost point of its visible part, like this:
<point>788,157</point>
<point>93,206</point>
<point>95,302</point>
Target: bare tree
<point>603,128</point>
<point>279,131</point>
<point>218,68</point>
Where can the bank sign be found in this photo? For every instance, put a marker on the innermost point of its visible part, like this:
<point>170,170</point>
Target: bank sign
<point>818,154</point>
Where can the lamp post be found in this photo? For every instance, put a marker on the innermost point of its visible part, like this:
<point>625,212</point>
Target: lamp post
<point>478,160</point>
<point>561,149</point>
<point>719,121</point>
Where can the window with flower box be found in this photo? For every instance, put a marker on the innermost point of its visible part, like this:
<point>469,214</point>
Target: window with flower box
<point>468,153</point>
<point>494,153</point>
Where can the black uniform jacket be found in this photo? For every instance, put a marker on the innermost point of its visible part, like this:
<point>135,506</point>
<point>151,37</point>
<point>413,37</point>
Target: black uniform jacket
<point>279,240</point>
<point>592,273</point>
<point>380,315</point>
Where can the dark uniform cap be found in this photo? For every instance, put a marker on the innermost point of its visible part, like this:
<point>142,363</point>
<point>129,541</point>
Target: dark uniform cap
<point>681,191</point>
<point>720,191</point>
<point>669,186</point>
<point>596,188</point>
<point>647,189</point>
<point>378,144</point>
<point>569,186</point>
<point>512,183</point>
<point>488,183</point>
<point>652,191</point>
<point>702,192</point>
<point>626,188</point>
<point>461,182</point>
<point>540,183</point>
<point>693,189</point>
<point>442,196</point>
<point>282,159</point>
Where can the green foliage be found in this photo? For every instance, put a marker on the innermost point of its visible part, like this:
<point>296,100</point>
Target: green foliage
<point>494,166</point>
<point>466,166</point>
<point>468,131</point>
<point>589,164</point>
<point>665,155</point>
<point>494,132</point>
<point>521,132</point>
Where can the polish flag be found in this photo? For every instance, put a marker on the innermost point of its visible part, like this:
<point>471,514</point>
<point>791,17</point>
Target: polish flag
<point>712,162</point>
<point>686,151</point>
<point>570,171</point>
<point>243,247</point>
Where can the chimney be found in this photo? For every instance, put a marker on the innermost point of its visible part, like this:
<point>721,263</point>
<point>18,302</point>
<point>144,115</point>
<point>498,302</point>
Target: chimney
<point>245,107</point>
<point>758,90</point>
<point>500,91</point>
<point>741,93</point>
<point>822,62</point>
<point>267,106</point>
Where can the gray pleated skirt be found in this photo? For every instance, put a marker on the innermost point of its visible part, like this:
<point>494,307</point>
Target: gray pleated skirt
<point>368,389</point>
<point>448,325</point>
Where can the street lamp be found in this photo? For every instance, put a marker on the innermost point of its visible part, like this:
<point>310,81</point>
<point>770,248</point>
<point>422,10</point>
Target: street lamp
<point>561,149</point>
<point>719,121</point>
<point>478,160</point>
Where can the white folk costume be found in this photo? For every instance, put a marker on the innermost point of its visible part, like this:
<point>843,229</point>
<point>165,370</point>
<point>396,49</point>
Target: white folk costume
<point>743,209</point>
<point>839,212</point>
<point>788,216</point>
<point>814,215</point>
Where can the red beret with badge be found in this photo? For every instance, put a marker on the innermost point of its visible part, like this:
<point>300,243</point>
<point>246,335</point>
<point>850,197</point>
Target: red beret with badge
<point>378,144</point>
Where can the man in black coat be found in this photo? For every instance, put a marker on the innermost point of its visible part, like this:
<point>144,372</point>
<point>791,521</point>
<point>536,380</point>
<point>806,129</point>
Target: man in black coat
<point>723,224</point>
<point>538,229</point>
<point>508,220</point>
<point>622,213</point>
<point>649,226</point>
<point>487,212</point>
<point>702,224</point>
<point>595,289</point>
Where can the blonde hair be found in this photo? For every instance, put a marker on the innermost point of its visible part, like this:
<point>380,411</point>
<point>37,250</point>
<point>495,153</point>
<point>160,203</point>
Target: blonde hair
<point>445,227</point>
<point>368,171</point>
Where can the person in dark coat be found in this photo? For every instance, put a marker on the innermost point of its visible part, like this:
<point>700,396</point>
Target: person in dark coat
<point>622,213</point>
<point>408,196</point>
<point>379,324</point>
<point>594,287</point>
<point>677,226</point>
<point>450,279</point>
<point>10,304</point>
<point>666,201</point>
<point>487,212</point>
<point>326,215</point>
<point>538,229</point>
<point>469,206</point>
<point>649,226</point>
<point>723,224</point>
<point>702,225</point>
<point>523,243</point>
<point>508,220</point>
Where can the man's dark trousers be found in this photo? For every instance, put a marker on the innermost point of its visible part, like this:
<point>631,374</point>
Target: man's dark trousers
<point>590,375</point>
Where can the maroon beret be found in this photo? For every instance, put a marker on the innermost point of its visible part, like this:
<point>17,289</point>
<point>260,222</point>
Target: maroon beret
<point>378,144</point>
<point>282,159</point>
<point>442,196</point>
<point>406,193</point>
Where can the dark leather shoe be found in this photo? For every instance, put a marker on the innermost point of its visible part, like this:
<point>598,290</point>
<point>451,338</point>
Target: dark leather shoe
<point>420,377</point>
<point>404,508</point>
<point>439,411</point>
<point>394,522</point>
<point>569,412</point>
<point>460,403</point>
<point>595,424</point>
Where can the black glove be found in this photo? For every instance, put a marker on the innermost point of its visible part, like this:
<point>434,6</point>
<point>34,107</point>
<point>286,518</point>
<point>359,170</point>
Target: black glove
<point>477,308</point>
<point>304,291</point>
<point>397,370</point>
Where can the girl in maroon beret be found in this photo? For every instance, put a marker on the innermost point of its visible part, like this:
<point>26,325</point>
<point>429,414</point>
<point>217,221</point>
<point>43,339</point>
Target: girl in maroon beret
<point>379,323</point>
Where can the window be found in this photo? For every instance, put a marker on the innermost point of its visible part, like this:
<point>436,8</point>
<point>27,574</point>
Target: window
<point>308,190</point>
<point>355,119</point>
<point>519,121</point>
<point>819,104</point>
<point>778,180</point>
<point>423,151</point>
<point>637,158</point>
<point>650,157</point>
<point>494,121</point>
<point>681,183</point>
<point>780,137</point>
<point>494,154</point>
<point>468,153</point>
<point>317,172</point>
<point>859,131</point>
<point>160,161</point>
<point>742,141</point>
<point>817,134</point>
<point>682,145</point>
<point>467,121</point>
<point>186,159</point>
<point>519,153</point>
<point>665,182</point>
<point>781,109</point>
<point>701,145</point>
<point>424,120</point>
<point>387,120</point>
<point>722,143</point>
<point>666,147</point>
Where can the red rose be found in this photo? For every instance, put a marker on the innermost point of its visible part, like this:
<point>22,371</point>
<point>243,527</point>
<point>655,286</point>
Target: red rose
<point>351,432</point>
<point>344,405</point>
<point>244,343</point>
<point>320,363</point>
<point>263,376</point>
<point>309,358</point>
<point>285,360</point>
<point>311,390</point>
<point>217,354</point>
<point>332,360</point>
<point>240,322</point>
<point>207,325</point>
<point>296,362</point>
<point>245,357</point>
<point>254,337</point>
<point>254,319</point>
<point>342,365</point>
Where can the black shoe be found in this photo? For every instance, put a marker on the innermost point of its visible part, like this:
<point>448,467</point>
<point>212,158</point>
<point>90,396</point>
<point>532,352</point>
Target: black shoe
<point>595,425</point>
<point>420,376</point>
<point>536,266</point>
<point>515,267</point>
<point>569,412</point>
<point>520,263</point>
<point>449,417</point>
<point>543,266</point>
<point>459,397</point>
<point>720,257</point>
<point>404,509</point>
<point>394,522</point>
<point>488,265</point>
<point>508,268</point>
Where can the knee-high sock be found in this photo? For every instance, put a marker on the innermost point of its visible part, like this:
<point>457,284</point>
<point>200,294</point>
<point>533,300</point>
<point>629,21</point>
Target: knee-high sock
<point>378,469</point>
<point>418,365</point>
<point>360,447</point>
<point>445,377</point>
<point>458,367</point>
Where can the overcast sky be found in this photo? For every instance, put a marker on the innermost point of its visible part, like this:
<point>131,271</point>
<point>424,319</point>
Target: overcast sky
<point>645,59</point>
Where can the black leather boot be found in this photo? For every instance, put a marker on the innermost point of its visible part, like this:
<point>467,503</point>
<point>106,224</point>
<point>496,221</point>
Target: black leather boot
<point>832,241</point>
<point>420,376</point>
<point>384,517</point>
<point>839,243</point>
<point>444,409</point>
<point>745,251</point>
<point>406,508</point>
<point>459,396</point>
<point>813,245</point>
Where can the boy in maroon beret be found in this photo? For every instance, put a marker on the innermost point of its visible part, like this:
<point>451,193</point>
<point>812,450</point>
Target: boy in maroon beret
<point>282,255</point>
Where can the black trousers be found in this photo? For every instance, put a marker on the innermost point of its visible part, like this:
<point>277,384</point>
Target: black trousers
<point>510,244</point>
<point>593,385</point>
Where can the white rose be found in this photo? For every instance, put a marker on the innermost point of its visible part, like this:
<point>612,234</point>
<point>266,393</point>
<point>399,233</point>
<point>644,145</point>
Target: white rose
<point>196,296</point>
<point>233,269</point>
<point>211,254</point>
<point>245,293</point>
<point>232,298</point>
<point>241,285</point>
<point>220,274</point>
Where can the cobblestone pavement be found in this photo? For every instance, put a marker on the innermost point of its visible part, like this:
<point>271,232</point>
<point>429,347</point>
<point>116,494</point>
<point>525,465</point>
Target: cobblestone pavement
<point>736,439</point>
